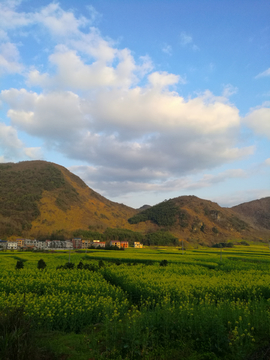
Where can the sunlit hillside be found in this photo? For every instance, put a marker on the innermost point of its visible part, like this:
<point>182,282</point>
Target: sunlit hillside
<point>37,197</point>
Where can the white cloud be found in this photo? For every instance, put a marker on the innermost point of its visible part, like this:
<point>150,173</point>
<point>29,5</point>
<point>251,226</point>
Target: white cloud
<point>126,121</point>
<point>59,22</point>
<point>267,162</point>
<point>229,90</point>
<point>111,182</point>
<point>10,18</point>
<point>73,73</point>
<point>141,130</point>
<point>11,147</point>
<point>240,197</point>
<point>9,59</point>
<point>263,74</point>
<point>163,79</point>
<point>187,40</point>
<point>259,121</point>
<point>34,153</point>
<point>167,49</point>
<point>53,116</point>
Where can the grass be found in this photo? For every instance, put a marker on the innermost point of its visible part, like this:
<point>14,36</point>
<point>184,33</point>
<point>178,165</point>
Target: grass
<point>198,307</point>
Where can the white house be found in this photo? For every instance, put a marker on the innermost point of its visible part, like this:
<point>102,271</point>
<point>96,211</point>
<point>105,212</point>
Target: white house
<point>12,245</point>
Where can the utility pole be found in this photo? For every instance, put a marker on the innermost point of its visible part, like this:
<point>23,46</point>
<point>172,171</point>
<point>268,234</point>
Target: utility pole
<point>220,254</point>
<point>69,256</point>
<point>182,247</point>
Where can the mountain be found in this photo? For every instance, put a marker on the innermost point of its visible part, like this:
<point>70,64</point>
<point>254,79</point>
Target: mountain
<point>144,207</point>
<point>38,197</point>
<point>198,220</point>
<point>256,212</point>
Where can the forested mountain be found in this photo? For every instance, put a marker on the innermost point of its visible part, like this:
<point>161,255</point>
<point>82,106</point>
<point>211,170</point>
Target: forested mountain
<point>196,219</point>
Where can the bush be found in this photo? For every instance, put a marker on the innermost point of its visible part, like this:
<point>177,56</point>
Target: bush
<point>68,265</point>
<point>19,265</point>
<point>163,263</point>
<point>41,264</point>
<point>101,264</point>
<point>80,265</point>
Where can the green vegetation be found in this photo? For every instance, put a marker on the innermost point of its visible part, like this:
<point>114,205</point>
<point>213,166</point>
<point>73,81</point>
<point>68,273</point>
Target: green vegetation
<point>192,306</point>
<point>163,214</point>
<point>21,188</point>
<point>160,238</point>
<point>41,264</point>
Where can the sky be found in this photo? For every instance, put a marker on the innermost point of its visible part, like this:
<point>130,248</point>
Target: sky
<point>144,100</point>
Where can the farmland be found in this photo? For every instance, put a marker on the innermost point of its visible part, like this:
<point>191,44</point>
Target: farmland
<point>144,303</point>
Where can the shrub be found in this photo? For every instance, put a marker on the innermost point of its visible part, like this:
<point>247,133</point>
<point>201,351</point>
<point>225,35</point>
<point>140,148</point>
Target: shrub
<point>41,264</point>
<point>19,265</point>
<point>80,265</point>
<point>163,263</point>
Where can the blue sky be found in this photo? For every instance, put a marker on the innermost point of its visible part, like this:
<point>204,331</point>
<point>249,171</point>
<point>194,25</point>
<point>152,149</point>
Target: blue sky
<point>144,100</point>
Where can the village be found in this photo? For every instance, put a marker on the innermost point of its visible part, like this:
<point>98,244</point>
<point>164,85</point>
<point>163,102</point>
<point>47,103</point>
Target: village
<point>76,243</point>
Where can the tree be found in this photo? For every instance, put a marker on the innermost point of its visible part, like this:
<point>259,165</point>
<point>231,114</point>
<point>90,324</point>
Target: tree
<point>19,265</point>
<point>80,265</point>
<point>41,264</point>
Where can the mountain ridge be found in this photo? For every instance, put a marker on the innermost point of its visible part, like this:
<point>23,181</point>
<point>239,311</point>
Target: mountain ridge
<point>39,198</point>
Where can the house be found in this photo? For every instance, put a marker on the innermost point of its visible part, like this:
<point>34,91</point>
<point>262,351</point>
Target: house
<point>77,243</point>
<point>42,245</point>
<point>20,243</point>
<point>48,243</point>
<point>138,245</point>
<point>124,244</point>
<point>3,244</point>
<point>69,245</point>
<point>30,243</point>
<point>12,245</point>
<point>115,243</point>
<point>98,244</point>
<point>86,244</point>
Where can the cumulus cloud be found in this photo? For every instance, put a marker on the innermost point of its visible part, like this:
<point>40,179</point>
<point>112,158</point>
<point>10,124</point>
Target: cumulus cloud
<point>124,119</point>
<point>9,59</point>
<point>59,22</point>
<point>142,131</point>
<point>12,148</point>
<point>53,116</point>
<point>259,120</point>
<point>112,182</point>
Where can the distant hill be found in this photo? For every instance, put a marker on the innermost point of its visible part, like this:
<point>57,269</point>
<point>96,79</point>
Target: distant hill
<point>38,197</point>
<point>198,220</point>
<point>256,212</point>
<point>144,207</point>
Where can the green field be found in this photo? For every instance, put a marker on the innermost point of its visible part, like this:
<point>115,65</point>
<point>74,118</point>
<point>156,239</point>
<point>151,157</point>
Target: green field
<point>202,304</point>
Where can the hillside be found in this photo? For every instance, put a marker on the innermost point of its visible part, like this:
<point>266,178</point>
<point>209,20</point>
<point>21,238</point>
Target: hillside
<point>257,212</point>
<point>198,220</point>
<point>37,197</point>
